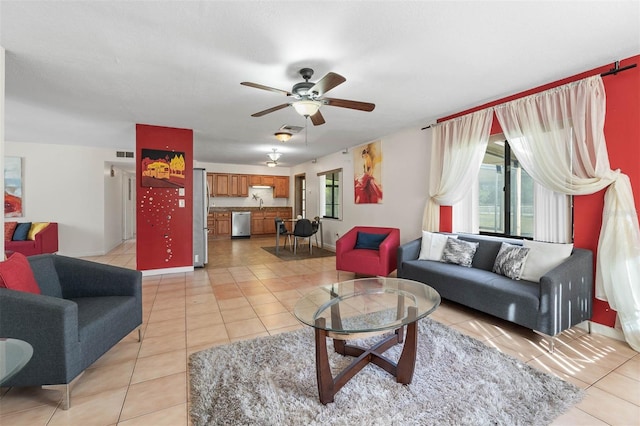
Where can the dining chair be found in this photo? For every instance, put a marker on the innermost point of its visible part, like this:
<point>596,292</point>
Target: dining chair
<point>303,229</point>
<point>283,231</point>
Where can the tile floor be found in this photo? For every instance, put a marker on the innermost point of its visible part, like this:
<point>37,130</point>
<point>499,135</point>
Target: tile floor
<point>246,292</point>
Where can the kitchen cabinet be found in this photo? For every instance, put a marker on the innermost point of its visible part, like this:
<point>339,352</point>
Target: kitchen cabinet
<point>257,223</point>
<point>281,187</point>
<point>263,221</point>
<point>210,183</point>
<point>219,224</point>
<point>238,185</point>
<point>230,185</point>
<point>221,184</point>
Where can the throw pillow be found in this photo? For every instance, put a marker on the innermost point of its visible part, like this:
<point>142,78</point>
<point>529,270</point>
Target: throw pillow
<point>510,260</point>
<point>543,257</point>
<point>459,252</point>
<point>432,245</point>
<point>35,228</point>
<point>9,229</point>
<point>21,232</point>
<point>16,274</point>
<point>369,241</point>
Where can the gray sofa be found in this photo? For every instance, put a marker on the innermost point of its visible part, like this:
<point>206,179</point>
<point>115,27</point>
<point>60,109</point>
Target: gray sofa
<point>85,309</point>
<point>562,298</point>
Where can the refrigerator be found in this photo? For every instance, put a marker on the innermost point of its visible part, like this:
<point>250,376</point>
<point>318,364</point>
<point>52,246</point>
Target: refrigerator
<point>200,212</point>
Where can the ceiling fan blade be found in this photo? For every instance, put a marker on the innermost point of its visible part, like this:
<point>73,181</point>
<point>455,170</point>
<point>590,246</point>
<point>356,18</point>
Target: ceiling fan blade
<point>267,111</point>
<point>327,83</point>
<point>317,119</point>
<point>260,86</point>
<point>344,103</point>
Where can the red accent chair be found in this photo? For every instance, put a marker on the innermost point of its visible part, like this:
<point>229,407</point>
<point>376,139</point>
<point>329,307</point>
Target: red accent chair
<point>46,241</point>
<point>380,262</point>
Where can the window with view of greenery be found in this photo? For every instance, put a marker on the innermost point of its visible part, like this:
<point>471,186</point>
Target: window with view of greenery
<point>505,193</point>
<point>330,191</point>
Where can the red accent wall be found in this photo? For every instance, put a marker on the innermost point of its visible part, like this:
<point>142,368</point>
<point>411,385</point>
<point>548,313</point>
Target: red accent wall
<point>622,133</point>
<point>164,230</point>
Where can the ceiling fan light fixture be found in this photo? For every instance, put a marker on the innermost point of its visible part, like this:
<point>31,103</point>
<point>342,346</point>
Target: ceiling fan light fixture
<point>283,136</point>
<point>271,163</point>
<point>307,107</point>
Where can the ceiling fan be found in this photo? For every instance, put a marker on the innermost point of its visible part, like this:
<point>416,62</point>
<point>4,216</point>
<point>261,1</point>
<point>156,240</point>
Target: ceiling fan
<point>309,96</point>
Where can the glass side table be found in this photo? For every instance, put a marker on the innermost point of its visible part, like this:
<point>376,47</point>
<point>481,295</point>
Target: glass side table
<point>14,355</point>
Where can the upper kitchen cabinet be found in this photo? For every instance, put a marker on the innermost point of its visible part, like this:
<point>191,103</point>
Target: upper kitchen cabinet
<point>211,184</point>
<point>238,185</point>
<point>230,185</point>
<point>281,187</point>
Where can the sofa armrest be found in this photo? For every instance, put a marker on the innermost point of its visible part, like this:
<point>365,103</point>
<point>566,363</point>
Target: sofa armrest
<point>408,251</point>
<point>344,244</point>
<point>83,278</point>
<point>47,239</point>
<point>389,250</point>
<point>566,292</point>
<point>50,326</point>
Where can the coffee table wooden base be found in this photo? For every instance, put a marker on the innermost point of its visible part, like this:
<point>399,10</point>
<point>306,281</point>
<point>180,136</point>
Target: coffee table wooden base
<point>328,386</point>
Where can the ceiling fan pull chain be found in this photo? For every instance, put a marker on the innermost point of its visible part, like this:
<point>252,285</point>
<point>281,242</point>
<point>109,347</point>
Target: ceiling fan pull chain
<point>306,130</point>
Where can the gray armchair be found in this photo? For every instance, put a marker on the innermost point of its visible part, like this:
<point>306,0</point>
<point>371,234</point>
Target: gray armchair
<point>85,309</point>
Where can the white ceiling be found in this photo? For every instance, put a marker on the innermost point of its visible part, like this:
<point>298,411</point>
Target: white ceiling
<point>85,72</point>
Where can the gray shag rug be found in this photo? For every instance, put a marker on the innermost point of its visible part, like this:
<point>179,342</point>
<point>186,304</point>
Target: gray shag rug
<point>457,381</point>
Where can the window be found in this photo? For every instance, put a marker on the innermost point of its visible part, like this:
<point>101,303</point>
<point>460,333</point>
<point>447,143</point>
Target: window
<point>506,193</point>
<point>330,194</point>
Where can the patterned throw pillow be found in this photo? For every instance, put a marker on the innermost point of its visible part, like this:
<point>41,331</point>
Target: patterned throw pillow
<point>510,260</point>
<point>9,229</point>
<point>459,252</point>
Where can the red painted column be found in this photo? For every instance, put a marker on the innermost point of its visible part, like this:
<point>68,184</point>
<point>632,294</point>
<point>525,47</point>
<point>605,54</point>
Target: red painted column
<point>164,233</point>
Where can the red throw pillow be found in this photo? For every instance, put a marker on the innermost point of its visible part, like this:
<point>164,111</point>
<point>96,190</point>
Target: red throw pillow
<point>16,274</point>
<point>9,229</point>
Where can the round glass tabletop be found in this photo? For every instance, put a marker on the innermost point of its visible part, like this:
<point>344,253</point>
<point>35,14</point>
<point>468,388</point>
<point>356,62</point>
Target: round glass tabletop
<point>366,305</point>
<point>14,354</point>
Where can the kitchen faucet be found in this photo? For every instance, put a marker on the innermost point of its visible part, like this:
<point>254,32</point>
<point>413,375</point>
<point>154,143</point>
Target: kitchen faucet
<point>261,204</point>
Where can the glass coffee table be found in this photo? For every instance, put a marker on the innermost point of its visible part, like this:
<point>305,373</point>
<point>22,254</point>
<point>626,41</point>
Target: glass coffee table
<point>14,355</point>
<point>362,308</point>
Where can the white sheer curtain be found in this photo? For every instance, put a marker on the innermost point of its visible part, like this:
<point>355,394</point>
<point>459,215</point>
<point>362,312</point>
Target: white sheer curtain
<point>456,156</point>
<point>552,215</point>
<point>558,137</point>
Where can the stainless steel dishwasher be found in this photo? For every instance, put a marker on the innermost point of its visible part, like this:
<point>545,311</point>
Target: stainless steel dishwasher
<point>240,224</point>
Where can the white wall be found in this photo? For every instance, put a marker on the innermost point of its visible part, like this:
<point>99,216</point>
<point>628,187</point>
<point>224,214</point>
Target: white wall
<point>114,208</point>
<point>66,184</point>
<point>405,168</point>
<point>265,194</point>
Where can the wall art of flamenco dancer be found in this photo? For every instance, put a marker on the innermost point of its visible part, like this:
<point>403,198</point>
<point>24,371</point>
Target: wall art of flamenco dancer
<point>367,166</point>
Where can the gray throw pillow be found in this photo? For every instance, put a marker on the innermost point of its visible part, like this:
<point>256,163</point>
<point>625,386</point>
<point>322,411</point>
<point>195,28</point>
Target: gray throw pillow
<point>510,260</point>
<point>459,252</point>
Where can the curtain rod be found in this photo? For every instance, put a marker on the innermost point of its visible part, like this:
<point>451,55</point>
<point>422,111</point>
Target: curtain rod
<point>616,69</point>
<point>613,71</point>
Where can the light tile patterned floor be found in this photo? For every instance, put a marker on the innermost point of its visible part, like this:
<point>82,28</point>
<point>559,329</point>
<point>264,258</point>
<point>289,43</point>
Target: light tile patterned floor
<point>245,292</point>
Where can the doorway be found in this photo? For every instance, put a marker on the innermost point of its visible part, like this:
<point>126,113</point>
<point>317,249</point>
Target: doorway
<point>300,198</point>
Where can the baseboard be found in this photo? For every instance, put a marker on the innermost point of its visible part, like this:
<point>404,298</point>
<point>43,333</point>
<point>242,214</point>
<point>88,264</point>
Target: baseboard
<point>151,272</point>
<point>607,331</point>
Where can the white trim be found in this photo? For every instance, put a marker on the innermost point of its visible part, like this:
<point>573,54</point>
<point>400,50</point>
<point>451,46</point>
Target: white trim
<point>151,272</point>
<point>607,331</point>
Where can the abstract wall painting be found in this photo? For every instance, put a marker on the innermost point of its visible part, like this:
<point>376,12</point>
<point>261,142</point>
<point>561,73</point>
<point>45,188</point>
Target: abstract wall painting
<point>13,187</point>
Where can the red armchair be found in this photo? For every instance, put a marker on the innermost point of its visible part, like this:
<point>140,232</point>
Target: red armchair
<point>379,262</point>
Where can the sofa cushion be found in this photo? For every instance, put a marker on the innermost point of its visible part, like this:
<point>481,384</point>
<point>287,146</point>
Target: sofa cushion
<point>16,274</point>
<point>35,228</point>
<point>432,245</point>
<point>46,275</point>
<point>543,257</point>
<point>510,261</point>
<point>9,229</point>
<point>459,252</point>
<point>369,241</point>
<point>22,231</point>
